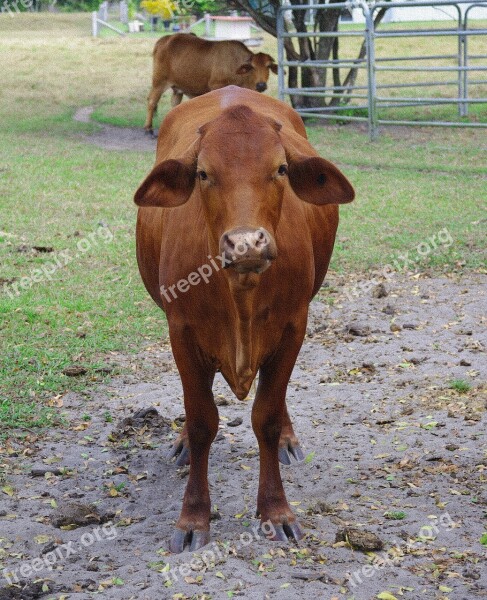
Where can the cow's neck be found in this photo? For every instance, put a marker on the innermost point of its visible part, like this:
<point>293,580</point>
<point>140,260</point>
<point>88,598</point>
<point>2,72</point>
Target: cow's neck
<point>243,288</point>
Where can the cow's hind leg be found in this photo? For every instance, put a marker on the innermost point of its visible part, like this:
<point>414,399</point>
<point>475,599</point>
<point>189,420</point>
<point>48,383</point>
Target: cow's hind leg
<point>193,526</point>
<point>152,100</point>
<point>288,445</point>
<point>268,420</point>
<point>288,442</point>
<point>177,97</point>
<point>180,448</point>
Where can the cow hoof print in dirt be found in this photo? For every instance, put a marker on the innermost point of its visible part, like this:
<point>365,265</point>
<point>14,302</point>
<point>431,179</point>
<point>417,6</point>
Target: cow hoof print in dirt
<point>235,231</point>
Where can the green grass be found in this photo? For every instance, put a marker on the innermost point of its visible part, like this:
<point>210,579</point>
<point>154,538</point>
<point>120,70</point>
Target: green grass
<point>57,191</point>
<point>460,385</point>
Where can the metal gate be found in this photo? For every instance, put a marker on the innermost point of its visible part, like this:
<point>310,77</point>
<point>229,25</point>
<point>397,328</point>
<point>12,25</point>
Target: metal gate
<point>451,77</point>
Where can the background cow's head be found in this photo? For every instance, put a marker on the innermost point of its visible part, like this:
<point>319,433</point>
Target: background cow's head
<point>255,72</point>
<point>242,169</point>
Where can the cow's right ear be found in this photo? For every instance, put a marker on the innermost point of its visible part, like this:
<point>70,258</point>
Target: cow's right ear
<point>169,184</point>
<point>245,68</point>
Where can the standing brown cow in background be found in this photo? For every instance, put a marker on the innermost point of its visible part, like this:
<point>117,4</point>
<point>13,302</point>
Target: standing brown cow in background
<point>235,231</point>
<point>193,66</point>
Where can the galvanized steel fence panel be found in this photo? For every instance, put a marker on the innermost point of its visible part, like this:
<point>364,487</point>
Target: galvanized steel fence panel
<point>374,92</point>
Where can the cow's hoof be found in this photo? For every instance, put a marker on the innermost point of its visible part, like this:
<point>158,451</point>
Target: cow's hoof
<point>148,131</point>
<point>188,540</point>
<point>181,451</point>
<point>285,531</point>
<point>285,453</point>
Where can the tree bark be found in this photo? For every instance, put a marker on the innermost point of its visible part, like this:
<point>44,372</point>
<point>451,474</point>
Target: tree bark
<point>264,13</point>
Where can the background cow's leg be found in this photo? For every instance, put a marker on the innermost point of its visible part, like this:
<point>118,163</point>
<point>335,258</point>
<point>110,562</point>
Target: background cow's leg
<point>268,417</point>
<point>193,526</point>
<point>288,442</point>
<point>177,97</point>
<point>152,100</point>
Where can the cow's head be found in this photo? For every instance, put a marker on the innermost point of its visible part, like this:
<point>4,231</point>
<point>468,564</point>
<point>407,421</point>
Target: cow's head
<point>255,72</point>
<point>243,167</point>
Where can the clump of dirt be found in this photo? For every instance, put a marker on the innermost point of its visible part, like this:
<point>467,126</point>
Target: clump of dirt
<point>76,514</point>
<point>359,539</point>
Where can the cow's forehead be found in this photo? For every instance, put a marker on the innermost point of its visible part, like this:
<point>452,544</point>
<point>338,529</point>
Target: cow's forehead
<point>240,119</point>
<point>241,134</point>
<point>262,59</point>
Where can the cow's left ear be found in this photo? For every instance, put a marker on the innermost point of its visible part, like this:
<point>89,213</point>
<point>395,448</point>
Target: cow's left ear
<point>245,68</point>
<point>318,181</point>
<point>169,184</point>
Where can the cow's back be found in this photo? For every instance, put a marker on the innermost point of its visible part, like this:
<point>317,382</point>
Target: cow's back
<point>191,64</point>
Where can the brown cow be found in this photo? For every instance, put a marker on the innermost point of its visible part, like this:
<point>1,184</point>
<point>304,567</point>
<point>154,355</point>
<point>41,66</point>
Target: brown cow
<point>193,66</point>
<point>235,230</point>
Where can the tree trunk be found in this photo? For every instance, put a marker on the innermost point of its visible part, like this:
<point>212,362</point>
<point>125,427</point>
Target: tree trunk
<point>264,13</point>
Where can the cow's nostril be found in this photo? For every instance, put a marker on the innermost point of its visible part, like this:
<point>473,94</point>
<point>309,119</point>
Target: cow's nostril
<point>261,239</point>
<point>261,87</point>
<point>228,242</point>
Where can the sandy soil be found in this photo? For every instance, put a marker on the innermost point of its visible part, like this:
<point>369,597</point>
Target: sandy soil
<point>390,448</point>
<point>110,137</point>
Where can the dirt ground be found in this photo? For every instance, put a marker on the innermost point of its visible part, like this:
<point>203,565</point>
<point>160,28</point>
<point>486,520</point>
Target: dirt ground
<point>391,449</point>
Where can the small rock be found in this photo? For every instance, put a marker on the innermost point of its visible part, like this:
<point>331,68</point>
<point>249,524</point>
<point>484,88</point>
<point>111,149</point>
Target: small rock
<point>409,326</point>
<point>389,310</point>
<point>359,539</point>
<point>183,471</point>
<point>380,291</point>
<point>358,330</point>
<point>471,573</point>
<point>465,363</point>
<point>75,371</point>
<point>221,401</point>
<point>235,423</point>
<point>452,447</point>
<point>321,508</point>
<point>49,547</point>
<point>395,327</point>
<point>43,249</point>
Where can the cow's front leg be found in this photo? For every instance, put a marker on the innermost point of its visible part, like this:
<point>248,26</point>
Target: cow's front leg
<point>193,526</point>
<point>268,418</point>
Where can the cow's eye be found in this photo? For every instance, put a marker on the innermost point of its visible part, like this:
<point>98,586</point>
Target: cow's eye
<point>282,170</point>
<point>203,175</point>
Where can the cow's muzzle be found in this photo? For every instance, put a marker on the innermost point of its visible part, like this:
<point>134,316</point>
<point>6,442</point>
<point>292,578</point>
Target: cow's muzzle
<point>248,250</point>
<point>261,86</point>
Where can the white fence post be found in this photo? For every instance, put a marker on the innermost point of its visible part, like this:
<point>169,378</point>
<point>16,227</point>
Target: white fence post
<point>94,23</point>
<point>103,11</point>
<point>124,12</point>
<point>207,24</point>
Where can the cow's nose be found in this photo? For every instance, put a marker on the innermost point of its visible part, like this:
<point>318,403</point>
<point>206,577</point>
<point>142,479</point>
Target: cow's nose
<point>246,249</point>
<point>261,86</point>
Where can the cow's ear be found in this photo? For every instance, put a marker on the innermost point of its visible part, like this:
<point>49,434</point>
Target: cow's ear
<point>273,67</point>
<point>169,184</point>
<point>245,68</point>
<point>318,181</point>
